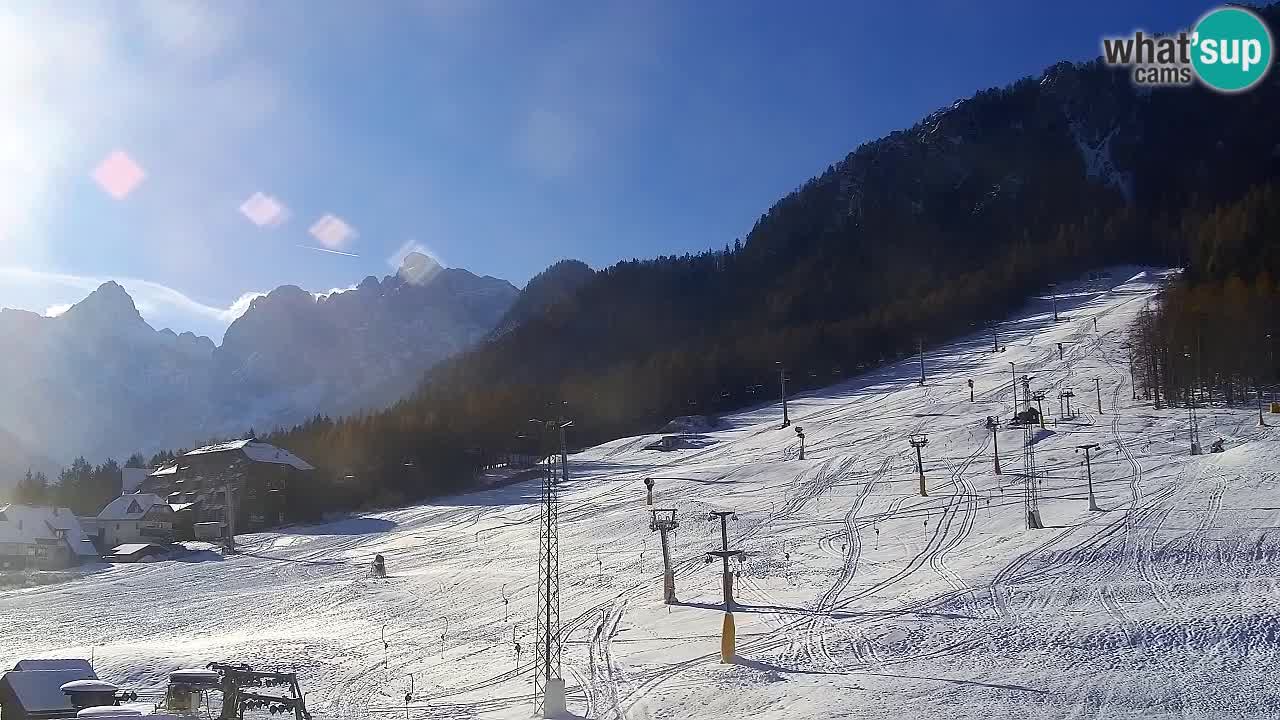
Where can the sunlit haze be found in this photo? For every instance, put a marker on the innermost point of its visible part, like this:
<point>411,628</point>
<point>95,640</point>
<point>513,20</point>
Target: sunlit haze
<point>200,153</point>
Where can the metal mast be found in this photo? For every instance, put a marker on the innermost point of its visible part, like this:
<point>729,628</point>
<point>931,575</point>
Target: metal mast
<point>664,522</point>
<point>1088,468</point>
<point>728,633</point>
<point>1031,491</point>
<point>918,441</point>
<point>548,685</point>
<point>782,381</point>
<point>920,350</point>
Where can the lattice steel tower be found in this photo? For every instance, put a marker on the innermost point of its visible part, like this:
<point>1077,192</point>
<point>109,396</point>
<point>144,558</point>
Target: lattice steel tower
<point>1031,484</point>
<point>548,685</point>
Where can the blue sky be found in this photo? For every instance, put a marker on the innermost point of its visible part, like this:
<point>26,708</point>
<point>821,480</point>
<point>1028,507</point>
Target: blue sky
<point>498,136</point>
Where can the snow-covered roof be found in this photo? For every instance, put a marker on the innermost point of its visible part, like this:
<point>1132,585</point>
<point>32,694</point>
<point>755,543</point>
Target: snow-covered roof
<point>26,525</point>
<point>170,469</point>
<point>88,685</point>
<point>57,664</point>
<point>255,451</point>
<point>179,507</point>
<point>39,691</point>
<point>131,548</point>
<point>66,521</point>
<point>263,452</point>
<point>130,507</point>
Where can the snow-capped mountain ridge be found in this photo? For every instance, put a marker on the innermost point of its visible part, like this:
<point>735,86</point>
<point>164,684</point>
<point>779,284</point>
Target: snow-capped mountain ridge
<point>98,380</point>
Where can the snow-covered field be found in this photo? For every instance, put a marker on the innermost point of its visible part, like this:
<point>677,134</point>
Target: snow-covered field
<point>858,597</point>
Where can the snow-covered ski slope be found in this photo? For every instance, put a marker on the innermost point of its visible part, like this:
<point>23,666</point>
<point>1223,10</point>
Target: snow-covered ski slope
<point>858,597</point>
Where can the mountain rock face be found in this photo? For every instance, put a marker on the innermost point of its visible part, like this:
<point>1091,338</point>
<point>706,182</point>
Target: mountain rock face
<point>98,380</point>
<point>294,353</point>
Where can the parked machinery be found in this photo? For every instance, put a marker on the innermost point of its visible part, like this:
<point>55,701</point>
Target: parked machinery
<point>239,682</point>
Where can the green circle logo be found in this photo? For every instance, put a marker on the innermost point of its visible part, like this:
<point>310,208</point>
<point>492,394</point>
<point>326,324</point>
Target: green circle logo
<point>1231,49</point>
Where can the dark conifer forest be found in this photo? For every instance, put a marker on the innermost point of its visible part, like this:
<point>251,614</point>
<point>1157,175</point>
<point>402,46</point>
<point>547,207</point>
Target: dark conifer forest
<point>927,233</point>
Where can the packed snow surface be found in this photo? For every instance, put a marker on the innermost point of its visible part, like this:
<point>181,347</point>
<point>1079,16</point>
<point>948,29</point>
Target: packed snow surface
<point>857,596</point>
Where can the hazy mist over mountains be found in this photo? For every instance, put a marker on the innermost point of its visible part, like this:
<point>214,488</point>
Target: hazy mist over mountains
<point>98,380</point>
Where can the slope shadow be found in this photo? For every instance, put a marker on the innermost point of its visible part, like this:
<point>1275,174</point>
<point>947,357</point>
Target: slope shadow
<point>976,683</point>
<point>296,561</point>
<point>195,556</point>
<point>346,526</point>
<point>774,609</point>
<point>770,667</point>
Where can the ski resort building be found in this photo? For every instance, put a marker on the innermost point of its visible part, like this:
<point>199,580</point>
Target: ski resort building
<point>259,475</point>
<point>133,518</point>
<point>41,538</point>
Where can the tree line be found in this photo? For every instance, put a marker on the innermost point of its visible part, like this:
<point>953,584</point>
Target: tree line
<point>82,486</point>
<point>1211,336</point>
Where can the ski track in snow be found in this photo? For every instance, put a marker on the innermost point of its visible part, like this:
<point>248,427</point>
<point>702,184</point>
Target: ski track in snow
<point>856,597</point>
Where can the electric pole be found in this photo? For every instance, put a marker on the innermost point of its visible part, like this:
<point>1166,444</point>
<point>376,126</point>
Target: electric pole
<point>663,522</point>
<point>1066,395</point>
<point>918,441</point>
<point>782,380</point>
<point>1097,386</point>
<point>230,510</point>
<point>1053,287</point>
<point>1193,429</point>
<point>728,641</point>
<point>549,687</point>
<point>1014,372</point>
<point>920,349</point>
<point>995,341</point>
<point>993,424</point>
<point>1088,468</point>
<point>1271,361</point>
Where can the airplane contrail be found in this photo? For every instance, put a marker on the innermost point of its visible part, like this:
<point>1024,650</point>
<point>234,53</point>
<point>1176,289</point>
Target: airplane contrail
<point>327,250</point>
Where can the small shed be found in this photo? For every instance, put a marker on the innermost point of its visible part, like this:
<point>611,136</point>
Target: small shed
<point>666,442</point>
<point>138,552</point>
<point>33,690</point>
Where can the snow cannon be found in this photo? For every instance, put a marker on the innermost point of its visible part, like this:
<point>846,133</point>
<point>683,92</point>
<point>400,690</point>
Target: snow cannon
<point>379,567</point>
<point>90,693</point>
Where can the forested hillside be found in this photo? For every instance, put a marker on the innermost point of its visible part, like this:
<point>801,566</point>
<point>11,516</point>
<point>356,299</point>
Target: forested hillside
<point>926,234</point>
<point>1212,337</point>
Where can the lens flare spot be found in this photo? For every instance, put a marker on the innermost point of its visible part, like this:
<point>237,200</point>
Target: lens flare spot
<point>264,210</point>
<point>118,175</point>
<point>332,232</point>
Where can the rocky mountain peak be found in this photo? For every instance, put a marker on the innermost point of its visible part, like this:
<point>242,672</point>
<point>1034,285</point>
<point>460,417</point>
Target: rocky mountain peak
<point>418,268</point>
